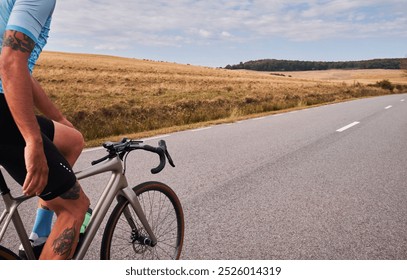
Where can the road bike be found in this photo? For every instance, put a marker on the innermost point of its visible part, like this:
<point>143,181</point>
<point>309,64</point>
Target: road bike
<point>146,223</point>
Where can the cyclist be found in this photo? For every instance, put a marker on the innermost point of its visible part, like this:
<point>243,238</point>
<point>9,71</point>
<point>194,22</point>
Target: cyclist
<point>37,152</point>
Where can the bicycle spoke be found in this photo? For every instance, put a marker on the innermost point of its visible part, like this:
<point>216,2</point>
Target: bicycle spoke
<point>162,220</point>
<point>129,235</point>
<point>168,229</point>
<point>164,251</point>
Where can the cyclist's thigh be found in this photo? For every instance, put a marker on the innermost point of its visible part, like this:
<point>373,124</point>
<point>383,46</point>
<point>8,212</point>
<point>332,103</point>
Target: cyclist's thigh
<point>61,177</point>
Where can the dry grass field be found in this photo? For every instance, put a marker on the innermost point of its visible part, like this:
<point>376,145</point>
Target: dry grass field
<point>108,96</point>
<point>351,76</point>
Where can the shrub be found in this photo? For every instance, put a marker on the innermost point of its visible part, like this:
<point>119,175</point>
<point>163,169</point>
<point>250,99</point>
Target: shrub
<point>385,84</point>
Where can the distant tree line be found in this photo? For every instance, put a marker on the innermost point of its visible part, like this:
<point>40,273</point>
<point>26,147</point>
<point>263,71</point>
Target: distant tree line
<point>403,63</point>
<point>296,65</point>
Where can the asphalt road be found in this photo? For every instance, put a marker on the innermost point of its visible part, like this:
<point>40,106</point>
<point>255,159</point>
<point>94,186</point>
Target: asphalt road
<point>321,183</point>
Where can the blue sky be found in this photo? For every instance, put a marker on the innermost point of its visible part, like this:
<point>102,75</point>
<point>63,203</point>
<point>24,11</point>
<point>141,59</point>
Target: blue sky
<point>217,33</point>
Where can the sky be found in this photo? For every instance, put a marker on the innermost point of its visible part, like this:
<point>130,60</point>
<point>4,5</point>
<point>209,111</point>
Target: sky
<point>217,33</point>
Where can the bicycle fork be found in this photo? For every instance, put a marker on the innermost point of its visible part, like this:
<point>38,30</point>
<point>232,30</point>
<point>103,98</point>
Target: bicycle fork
<point>129,194</point>
<point>117,186</point>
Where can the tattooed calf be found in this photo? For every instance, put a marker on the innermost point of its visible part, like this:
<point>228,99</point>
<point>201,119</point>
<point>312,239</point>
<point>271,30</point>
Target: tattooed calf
<point>63,244</point>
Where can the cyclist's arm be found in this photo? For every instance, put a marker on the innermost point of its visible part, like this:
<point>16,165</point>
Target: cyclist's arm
<point>45,105</point>
<point>18,90</point>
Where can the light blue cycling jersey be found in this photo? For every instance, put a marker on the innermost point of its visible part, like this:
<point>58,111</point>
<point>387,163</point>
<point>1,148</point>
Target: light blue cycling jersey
<point>31,17</point>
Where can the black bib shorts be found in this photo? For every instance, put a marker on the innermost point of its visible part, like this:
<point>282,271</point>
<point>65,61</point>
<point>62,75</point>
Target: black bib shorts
<point>61,178</point>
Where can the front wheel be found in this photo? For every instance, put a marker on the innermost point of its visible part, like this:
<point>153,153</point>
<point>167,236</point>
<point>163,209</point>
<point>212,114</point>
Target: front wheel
<point>125,238</point>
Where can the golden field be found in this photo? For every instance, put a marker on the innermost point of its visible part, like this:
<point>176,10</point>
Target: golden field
<point>350,76</point>
<point>106,97</point>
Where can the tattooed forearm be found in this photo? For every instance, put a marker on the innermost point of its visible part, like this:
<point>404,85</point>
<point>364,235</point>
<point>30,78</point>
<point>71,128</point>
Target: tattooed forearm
<point>18,41</point>
<point>73,193</point>
<point>62,245</point>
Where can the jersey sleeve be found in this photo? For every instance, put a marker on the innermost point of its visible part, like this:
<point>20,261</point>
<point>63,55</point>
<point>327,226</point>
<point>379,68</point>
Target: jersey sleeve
<point>30,16</point>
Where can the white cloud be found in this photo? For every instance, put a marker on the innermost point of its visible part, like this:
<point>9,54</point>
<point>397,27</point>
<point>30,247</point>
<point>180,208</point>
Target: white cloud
<point>226,34</point>
<point>126,24</point>
<point>110,47</point>
<point>201,33</point>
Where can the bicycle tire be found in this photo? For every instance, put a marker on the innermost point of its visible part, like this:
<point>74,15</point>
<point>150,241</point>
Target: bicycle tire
<point>164,213</point>
<point>6,254</point>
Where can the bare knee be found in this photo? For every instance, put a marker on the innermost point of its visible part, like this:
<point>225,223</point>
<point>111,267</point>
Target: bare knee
<point>73,204</point>
<point>69,141</point>
<point>78,144</point>
<point>80,205</point>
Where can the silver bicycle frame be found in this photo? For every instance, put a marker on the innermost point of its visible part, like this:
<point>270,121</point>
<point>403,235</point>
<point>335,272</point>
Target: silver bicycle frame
<point>9,214</point>
<point>117,186</point>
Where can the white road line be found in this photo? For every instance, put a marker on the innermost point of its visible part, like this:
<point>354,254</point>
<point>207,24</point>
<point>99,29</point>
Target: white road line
<point>259,118</point>
<point>155,137</point>
<point>200,129</point>
<point>92,149</point>
<point>388,107</point>
<point>347,126</point>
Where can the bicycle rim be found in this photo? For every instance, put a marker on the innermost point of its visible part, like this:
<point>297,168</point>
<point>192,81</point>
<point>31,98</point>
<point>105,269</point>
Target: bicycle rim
<point>6,254</point>
<point>124,236</point>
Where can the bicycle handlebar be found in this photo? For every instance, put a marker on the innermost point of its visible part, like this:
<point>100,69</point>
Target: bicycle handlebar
<point>125,146</point>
